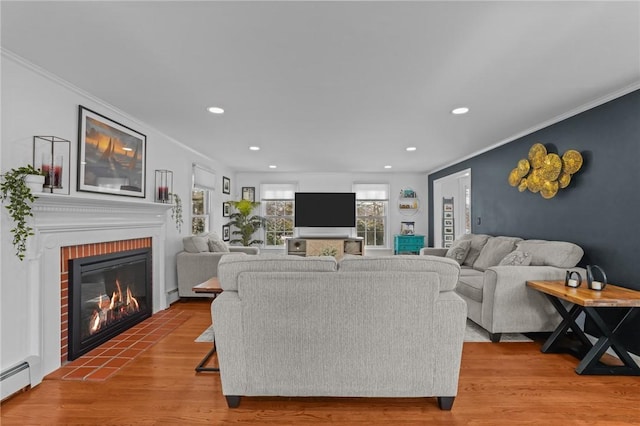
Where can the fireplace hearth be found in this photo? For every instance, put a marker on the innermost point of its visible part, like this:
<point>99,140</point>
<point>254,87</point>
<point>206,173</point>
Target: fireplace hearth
<point>108,294</point>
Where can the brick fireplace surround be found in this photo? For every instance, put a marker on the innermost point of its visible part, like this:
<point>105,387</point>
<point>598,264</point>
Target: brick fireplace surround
<point>67,227</point>
<point>78,252</point>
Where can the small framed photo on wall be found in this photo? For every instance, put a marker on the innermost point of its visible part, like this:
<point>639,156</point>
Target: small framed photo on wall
<point>226,209</point>
<point>407,228</point>
<point>226,185</point>
<point>448,222</point>
<point>226,233</point>
<point>249,193</point>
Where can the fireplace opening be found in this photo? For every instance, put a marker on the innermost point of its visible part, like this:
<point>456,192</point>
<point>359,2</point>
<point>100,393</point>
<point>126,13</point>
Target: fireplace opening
<point>108,294</point>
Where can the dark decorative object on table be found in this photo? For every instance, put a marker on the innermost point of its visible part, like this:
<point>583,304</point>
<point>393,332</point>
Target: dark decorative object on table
<point>572,279</point>
<point>592,282</point>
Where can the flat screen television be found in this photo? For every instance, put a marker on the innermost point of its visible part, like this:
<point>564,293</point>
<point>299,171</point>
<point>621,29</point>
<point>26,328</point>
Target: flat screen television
<point>325,209</point>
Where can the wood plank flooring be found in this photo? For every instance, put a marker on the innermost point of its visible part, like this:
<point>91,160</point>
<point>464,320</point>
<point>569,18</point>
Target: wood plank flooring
<point>500,384</point>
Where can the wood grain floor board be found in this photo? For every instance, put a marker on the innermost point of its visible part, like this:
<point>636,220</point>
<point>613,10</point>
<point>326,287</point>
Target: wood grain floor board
<point>500,384</point>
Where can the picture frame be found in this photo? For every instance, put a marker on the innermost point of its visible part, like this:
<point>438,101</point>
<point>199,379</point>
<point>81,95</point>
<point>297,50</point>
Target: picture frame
<point>448,230</point>
<point>226,233</point>
<point>226,185</point>
<point>407,228</point>
<point>226,209</point>
<point>448,207</point>
<point>111,156</point>
<point>448,215</point>
<point>448,222</point>
<point>448,237</point>
<point>249,193</point>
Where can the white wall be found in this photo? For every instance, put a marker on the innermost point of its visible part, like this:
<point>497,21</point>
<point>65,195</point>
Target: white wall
<point>35,102</point>
<point>342,182</point>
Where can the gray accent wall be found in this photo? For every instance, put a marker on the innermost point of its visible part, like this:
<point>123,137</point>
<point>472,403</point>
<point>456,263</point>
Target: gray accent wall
<point>599,210</point>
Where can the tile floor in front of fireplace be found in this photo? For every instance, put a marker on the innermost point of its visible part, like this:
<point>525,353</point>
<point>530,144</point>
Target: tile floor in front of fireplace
<point>107,359</point>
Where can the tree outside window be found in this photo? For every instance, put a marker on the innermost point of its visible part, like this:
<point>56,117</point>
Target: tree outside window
<point>370,222</point>
<point>199,211</point>
<point>279,221</point>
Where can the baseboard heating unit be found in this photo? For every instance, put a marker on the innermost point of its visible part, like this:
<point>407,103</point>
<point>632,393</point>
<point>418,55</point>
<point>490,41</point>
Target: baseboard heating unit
<point>20,376</point>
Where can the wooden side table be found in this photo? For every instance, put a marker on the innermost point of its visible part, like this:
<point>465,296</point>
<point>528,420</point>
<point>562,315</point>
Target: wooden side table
<point>212,285</point>
<point>589,302</point>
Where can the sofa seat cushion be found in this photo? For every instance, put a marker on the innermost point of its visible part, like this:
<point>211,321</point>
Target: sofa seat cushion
<point>477,242</point>
<point>447,269</point>
<point>552,253</point>
<point>471,285</point>
<point>232,265</point>
<point>494,251</point>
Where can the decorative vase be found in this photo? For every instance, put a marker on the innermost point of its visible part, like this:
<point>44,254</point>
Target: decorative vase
<point>34,182</point>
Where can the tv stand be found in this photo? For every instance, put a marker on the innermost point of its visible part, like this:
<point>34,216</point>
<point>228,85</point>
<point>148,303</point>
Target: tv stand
<point>325,245</point>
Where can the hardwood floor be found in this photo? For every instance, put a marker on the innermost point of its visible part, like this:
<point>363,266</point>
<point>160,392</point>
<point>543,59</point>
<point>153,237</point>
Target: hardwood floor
<point>500,384</point>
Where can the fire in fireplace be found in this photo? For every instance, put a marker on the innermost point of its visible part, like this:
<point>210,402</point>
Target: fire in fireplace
<point>108,294</point>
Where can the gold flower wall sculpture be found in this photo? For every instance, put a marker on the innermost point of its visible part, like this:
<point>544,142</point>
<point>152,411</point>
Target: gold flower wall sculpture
<point>545,172</point>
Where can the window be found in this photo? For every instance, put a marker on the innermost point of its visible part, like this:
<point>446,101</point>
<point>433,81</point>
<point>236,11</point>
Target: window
<point>277,209</point>
<point>372,202</point>
<point>203,181</point>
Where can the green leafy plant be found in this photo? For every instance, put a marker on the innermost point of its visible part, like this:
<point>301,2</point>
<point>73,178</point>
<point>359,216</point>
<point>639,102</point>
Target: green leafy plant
<point>329,251</point>
<point>245,222</point>
<point>20,198</point>
<point>176,211</point>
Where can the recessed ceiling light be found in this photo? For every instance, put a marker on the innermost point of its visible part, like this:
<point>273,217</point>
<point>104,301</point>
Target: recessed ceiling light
<point>215,110</point>
<point>387,167</point>
<point>411,148</point>
<point>461,110</point>
<point>254,148</point>
<point>273,166</point>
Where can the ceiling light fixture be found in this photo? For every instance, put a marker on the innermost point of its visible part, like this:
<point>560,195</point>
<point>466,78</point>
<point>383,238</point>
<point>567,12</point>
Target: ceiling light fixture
<point>215,110</point>
<point>461,110</point>
<point>254,148</point>
<point>387,167</point>
<point>411,148</point>
<point>273,166</point>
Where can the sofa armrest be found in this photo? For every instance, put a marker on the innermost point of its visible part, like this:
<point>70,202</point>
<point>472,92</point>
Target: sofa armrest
<point>196,268</point>
<point>509,305</point>
<point>242,249</point>
<point>432,251</point>
<point>226,315</point>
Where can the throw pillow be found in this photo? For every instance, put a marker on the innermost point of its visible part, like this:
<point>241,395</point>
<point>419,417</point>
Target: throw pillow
<point>516,258</point>
<point>215,243</point>
<point>459,250</point>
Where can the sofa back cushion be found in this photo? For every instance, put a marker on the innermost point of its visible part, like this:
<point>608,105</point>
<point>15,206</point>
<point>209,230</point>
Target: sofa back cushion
<point>215,243</point>
<point>232,265</point>
<point>195,244</point>
<point>560,254</point>
<point>447,269</point>
<point>494,251</point>
<point>477,242</point>
<point>459,250</point>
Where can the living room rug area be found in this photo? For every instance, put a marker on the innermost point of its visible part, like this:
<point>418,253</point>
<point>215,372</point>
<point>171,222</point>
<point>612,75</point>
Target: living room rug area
<point>473,333</point>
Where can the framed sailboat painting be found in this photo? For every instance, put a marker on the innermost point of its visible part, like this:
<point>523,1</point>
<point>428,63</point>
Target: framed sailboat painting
<point>111,156</point>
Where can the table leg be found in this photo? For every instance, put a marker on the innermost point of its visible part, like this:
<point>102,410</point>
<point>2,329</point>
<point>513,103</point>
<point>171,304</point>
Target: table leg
<point>568,323</point>
<point>590,364</point>
<point>201,367</point>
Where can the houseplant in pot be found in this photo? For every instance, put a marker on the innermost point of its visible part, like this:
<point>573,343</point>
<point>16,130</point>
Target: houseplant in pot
<point>245,222</point>
<point>19,195</point>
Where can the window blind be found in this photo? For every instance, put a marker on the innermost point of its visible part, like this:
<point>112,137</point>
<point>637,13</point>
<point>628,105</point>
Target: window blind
<point>371,191</point>
<point>203,178</point>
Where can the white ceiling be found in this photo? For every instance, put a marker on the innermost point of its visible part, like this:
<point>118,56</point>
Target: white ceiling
<point>335,86</point>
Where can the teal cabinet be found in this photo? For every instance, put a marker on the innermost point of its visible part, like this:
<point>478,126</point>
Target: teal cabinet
<point>407,244</point>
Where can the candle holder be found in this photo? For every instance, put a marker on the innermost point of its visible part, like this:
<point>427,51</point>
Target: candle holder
<point>51,156</point>
<point>164,186</point>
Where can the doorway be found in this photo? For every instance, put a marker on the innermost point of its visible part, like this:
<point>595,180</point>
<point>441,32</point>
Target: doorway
<point>451,207</point>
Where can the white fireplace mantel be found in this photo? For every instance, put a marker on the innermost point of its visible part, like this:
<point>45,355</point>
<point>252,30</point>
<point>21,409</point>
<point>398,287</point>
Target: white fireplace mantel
<point>62,220</point>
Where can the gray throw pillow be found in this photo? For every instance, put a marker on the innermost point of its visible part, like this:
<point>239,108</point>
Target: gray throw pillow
<point>215,243</point>
<point>195,244</point>
<point>516,258</point>
<point>459,250</point>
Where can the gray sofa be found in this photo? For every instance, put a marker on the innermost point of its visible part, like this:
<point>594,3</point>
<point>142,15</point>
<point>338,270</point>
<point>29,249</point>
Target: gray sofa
<point>364,327</point>
<point>199,261</point>
<point>493,276</point>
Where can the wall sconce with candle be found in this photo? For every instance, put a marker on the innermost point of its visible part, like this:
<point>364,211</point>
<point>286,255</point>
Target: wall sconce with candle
<point>164,186</point>
<point>51,156</point>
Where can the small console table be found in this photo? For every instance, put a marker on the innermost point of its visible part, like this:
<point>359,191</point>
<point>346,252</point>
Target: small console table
<point>316,246</point>
<point>407,244</point>
<point>589,302</point>
<point>211,286</point>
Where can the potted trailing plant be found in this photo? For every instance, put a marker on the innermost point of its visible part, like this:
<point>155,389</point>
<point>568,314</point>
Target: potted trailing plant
<point>245,222</point>
<point>176,211</point>
<point>19,193</point>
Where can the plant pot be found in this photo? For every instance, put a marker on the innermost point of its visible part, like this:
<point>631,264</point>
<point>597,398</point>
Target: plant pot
<point>34,182</point>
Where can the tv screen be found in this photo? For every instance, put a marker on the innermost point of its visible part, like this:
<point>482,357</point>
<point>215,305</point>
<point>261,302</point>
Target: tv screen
<point>325,209</point>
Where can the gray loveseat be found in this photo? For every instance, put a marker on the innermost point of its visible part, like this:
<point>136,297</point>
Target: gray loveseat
<point>364,327</point>
<point>199,261</point>
<point>493,276</point>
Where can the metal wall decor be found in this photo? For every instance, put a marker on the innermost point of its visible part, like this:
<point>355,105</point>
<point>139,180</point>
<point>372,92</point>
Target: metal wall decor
<point>545,172</point>
<point>448,227</point>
